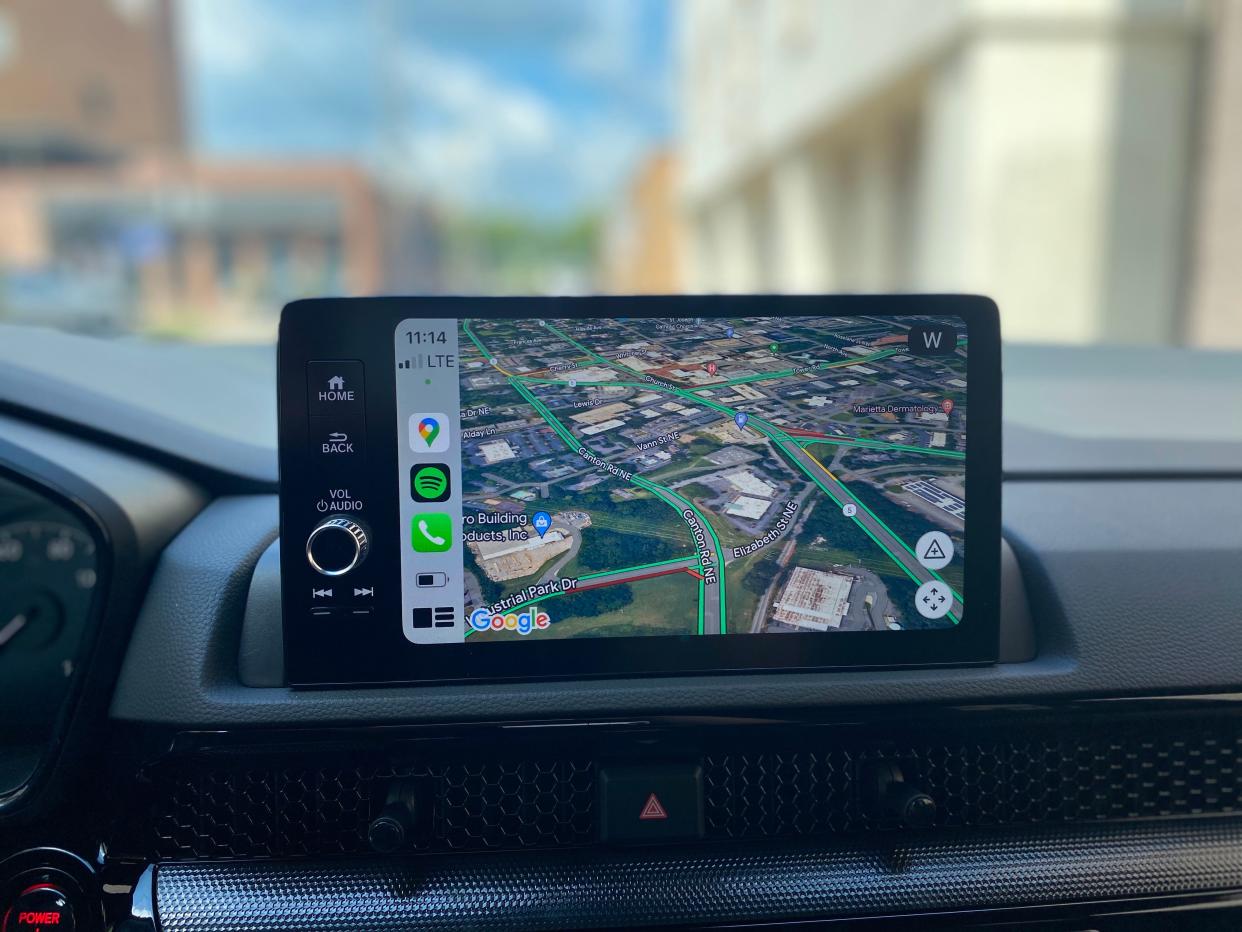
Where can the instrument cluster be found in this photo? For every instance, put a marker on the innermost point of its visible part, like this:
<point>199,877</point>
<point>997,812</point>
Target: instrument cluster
<point>49,578</point>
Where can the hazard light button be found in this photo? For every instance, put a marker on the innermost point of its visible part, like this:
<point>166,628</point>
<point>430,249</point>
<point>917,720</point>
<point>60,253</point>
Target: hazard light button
<point>654,802</point>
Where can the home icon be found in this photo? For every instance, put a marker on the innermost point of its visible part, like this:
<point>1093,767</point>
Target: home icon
<point>336,383</point>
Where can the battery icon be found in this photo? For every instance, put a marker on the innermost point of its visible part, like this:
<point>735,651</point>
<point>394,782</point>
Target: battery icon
<point>430,580</point>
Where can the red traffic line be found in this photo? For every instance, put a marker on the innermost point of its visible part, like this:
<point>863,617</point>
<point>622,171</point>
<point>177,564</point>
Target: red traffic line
<point>613,582</point>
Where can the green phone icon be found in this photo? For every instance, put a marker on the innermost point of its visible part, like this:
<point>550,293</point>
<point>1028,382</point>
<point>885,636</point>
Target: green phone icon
<point>431,532</point>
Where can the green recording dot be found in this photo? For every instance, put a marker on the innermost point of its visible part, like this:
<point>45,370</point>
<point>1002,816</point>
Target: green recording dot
<point>426,381</point>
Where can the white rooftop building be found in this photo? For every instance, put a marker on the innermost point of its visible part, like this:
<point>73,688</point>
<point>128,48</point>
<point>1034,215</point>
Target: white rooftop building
<point>814,600</point>
<point>748,507</point>
<point>497,451</point>
<point>747,482</point>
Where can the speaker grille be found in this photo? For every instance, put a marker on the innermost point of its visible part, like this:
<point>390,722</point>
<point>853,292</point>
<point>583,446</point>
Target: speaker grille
<point>248,811</point>
<point>1048,779</point>
<point>804,784</point>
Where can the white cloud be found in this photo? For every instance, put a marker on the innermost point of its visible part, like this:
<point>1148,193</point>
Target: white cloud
<point>463,127</point>
<point>478,125</point>
<point>215,40</point>
<point>607,46</point>
<point>458,90</point>
<point>258,39</point>
<point>610,50</point>
<point>478,140</point>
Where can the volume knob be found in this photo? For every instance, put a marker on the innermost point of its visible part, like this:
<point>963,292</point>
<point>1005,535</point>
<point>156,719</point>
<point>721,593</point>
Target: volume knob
<point>336,546</point>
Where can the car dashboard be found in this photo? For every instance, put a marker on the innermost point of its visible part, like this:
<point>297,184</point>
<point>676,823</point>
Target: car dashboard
<point>157,772</point>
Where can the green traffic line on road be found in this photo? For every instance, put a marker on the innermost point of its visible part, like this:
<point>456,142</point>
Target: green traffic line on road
<point>604,359</point>
<point>549,595</point>
<point>878,445</point>
<point>819,367</point>
<point>572,442</point>
<point>720,576</point>
<point>773,430</point>
<point>702,596</point>
<point>465,325</point>
<point>879,543</point>
<point>757,423</point>
<point>549,418</point>
<point>539,381</point>
<point>521,605</point>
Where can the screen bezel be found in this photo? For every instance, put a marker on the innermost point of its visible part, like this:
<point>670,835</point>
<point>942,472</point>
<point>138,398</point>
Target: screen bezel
<point>326,652</point>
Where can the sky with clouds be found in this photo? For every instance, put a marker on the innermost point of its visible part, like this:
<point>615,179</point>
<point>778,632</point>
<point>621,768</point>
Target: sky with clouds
<point>540,106</point>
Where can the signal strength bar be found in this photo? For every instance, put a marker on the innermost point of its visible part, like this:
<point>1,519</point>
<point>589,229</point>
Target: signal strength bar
<point>404,364</point>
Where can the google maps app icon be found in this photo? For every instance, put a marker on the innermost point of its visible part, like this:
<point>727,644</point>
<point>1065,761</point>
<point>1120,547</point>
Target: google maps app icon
<point>429,433</point>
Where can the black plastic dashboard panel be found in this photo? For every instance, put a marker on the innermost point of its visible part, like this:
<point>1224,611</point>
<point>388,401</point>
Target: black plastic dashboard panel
<point>154,404</point>
<point>1108,568</point>
<point>200,410</point>
<point>261,656</point>
<point>983,870</point>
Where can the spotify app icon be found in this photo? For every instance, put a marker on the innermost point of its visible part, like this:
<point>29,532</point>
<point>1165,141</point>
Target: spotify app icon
<point>430,482</point>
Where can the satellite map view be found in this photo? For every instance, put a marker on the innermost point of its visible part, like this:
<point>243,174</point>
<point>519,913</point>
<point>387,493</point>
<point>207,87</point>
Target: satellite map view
<point>708,476</point>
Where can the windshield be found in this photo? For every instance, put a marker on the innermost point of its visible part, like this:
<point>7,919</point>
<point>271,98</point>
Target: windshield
<point>180,170</point>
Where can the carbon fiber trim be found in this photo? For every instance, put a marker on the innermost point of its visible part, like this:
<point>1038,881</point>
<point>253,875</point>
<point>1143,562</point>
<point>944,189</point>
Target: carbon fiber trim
<point>705,884</point>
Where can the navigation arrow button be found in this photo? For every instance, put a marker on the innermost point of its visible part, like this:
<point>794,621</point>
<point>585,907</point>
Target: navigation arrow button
<point>932,600</point>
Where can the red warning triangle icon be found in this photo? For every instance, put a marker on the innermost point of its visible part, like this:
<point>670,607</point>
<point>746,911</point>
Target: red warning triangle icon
<point>652,810</point>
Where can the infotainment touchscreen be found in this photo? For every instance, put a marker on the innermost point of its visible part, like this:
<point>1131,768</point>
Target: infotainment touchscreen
<point>525,488</point>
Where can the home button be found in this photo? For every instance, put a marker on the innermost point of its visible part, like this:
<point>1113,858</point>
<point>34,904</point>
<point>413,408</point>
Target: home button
<point>654,802</point>
<point>334,387</point>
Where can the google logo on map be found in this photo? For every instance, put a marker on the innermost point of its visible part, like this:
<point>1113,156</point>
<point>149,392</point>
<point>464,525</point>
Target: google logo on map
<point>522,622</point>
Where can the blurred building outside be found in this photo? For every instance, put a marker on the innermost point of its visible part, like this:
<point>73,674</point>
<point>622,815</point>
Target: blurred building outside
<point>109,222</point>
<point>1044,152</point>
<point>184,248</point>
<point>1216,274</point>
<point>1076,159</point>
<point>644,237</point>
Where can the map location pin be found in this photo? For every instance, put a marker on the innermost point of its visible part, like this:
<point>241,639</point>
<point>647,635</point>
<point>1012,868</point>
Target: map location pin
<point>711,368</point>
<point>740,419</point>
<point>541,522</point>
<point>429,429</point>
<point>947,406</point>
<point>729,331</point>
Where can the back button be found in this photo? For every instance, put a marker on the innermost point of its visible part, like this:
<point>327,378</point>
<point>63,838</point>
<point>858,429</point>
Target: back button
<point>338,441</point>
